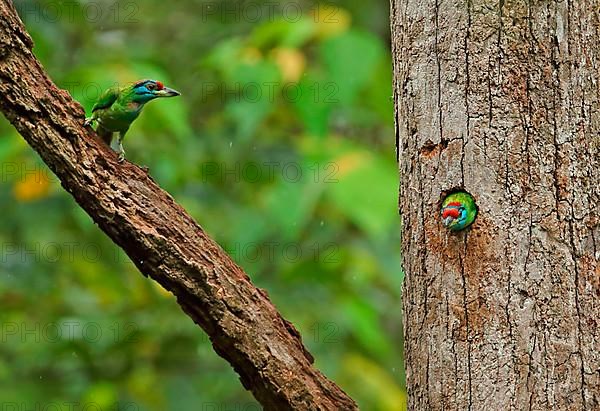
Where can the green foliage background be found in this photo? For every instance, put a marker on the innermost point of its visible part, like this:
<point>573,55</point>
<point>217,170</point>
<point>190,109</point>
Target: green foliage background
<point>281,146</point>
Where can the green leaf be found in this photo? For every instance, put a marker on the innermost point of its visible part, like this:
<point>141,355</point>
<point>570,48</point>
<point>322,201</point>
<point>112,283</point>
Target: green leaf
<point>373,384</point>
<point>362,49</point>
<point>254,89</point>
<point>366,191</point>
<point>291,203</point>
<point>287,33</point>
<point>314,100</point>
<point>101,394</point>
<point>363,319</point>
<point>225,55</point>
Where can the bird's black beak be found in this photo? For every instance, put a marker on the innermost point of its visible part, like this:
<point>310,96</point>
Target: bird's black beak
<point>167,92</point>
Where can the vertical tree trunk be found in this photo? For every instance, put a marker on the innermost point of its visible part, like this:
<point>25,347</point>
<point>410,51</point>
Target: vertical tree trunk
<point>501,99</point>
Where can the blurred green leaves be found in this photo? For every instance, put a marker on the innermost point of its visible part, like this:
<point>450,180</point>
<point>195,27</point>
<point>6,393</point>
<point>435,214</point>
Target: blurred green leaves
<point>252,80</point>
<point>369,205</point>
<point>363,50</point>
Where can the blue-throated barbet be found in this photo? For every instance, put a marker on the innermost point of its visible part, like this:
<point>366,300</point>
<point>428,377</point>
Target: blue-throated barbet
<point>118,107</point>
<point>458,211</point>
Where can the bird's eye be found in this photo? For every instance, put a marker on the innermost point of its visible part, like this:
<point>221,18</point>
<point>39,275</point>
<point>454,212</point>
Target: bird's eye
<point>150,86</point>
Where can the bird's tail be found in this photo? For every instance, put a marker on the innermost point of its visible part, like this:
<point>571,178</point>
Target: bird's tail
<point>104,134</point>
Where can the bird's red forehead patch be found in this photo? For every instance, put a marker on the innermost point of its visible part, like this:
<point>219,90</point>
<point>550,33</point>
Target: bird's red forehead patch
<point>450,212</point>
<point>159,85</point>
<point>454,204</point>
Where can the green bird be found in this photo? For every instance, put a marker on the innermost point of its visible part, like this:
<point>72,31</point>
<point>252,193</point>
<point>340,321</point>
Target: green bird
<point>118,107</point>
<point>458,211</point>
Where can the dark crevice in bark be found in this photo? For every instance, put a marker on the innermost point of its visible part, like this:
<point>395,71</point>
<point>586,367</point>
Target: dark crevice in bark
<point>394,12</point>
<point>578,309</point>
<point>466,139</point>
<point>555,88</point>
<point>467,326</point>
<point>439,74</point>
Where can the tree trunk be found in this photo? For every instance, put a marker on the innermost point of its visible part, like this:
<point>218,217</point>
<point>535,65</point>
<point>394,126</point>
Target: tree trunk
<point>163,241</point>
<point>500,99</point>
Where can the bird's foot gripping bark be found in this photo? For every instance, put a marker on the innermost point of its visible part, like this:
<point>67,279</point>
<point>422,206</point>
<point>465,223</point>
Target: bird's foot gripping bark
<point>88,121</point>
<point>121,151</point>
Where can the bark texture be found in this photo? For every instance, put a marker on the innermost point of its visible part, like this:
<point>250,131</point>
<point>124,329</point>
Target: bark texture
<point>501,99</point>
<point>162,240</point>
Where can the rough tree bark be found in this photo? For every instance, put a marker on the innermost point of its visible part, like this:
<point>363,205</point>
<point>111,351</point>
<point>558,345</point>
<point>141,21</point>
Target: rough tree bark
<point>162,240</point>
<point>501,99</point>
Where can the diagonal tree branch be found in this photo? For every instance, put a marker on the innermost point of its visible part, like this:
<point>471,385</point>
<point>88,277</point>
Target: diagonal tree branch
<point>162,240</point>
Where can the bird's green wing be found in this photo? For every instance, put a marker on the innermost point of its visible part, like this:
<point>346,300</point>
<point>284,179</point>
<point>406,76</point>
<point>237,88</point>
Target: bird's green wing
<point>106,99</point>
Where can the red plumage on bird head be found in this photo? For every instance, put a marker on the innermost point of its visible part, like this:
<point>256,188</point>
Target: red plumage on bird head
<point>450,212</point>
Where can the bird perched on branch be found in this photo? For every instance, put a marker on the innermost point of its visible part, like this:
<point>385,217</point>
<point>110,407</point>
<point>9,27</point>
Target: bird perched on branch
<point>458,211</point>
<point>118,107</point>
